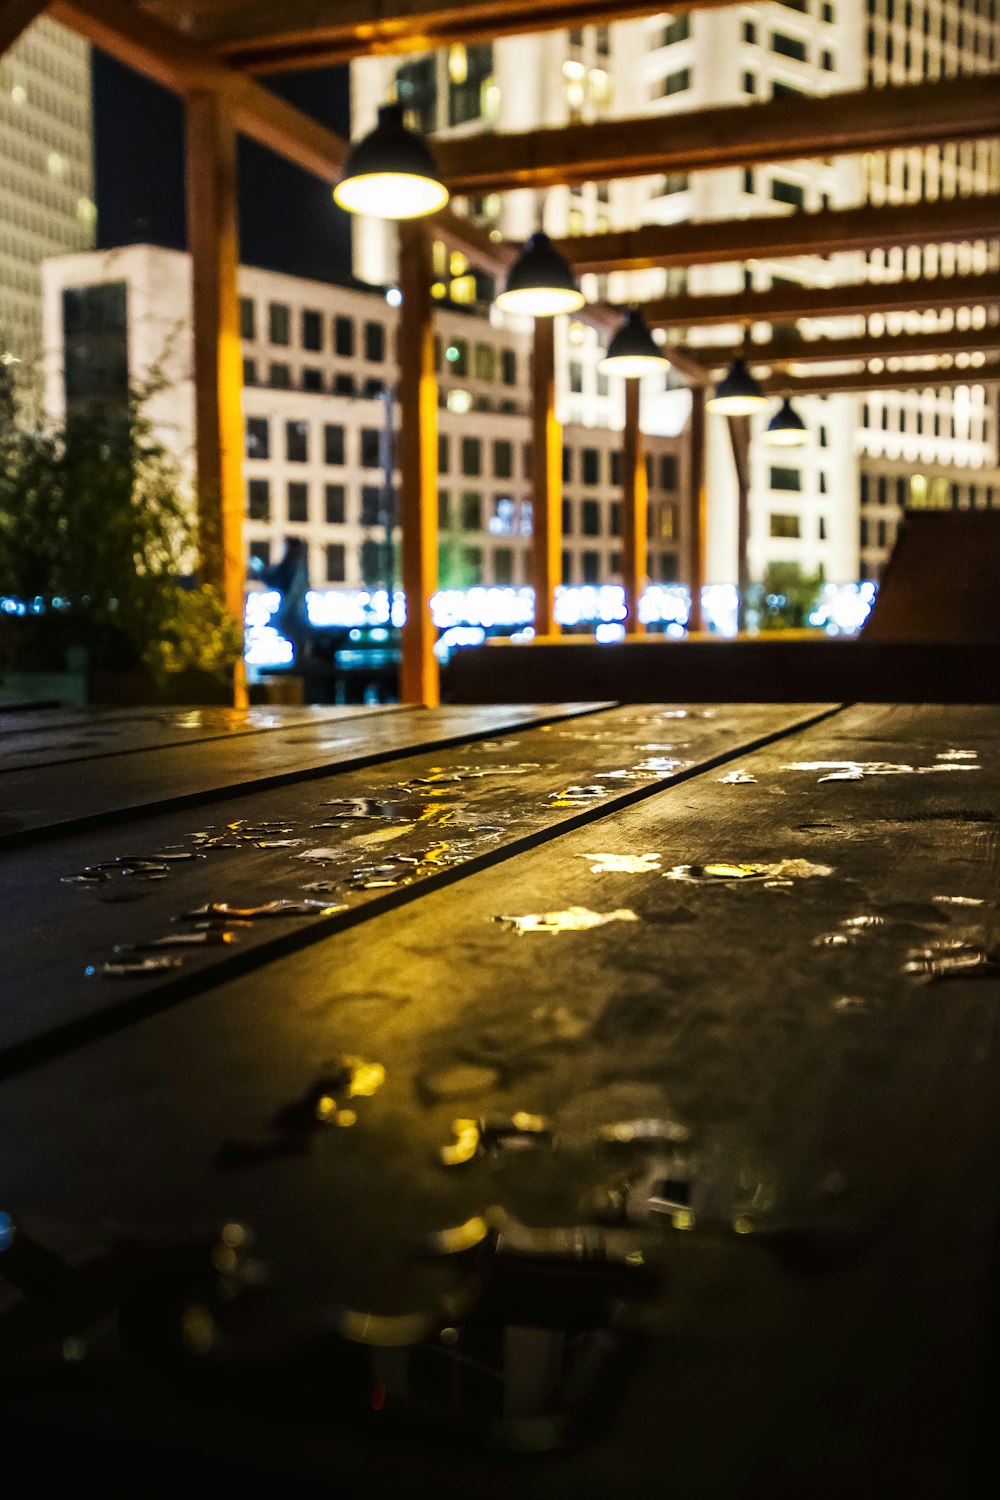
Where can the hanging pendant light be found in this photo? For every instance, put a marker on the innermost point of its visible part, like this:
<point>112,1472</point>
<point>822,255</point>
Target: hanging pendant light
<point>786,428</point>
<point>391,173</point>
<point>738,393</point>
<point>633,351</point>
<point>541,282</point>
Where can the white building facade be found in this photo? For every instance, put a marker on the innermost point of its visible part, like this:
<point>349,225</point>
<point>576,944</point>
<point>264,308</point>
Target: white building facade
<point>807,506</point>
<point>317,360</point>
<point>46,174</point>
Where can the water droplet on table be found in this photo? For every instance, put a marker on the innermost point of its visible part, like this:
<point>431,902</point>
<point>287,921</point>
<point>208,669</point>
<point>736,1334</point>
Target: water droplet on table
<point>573,919</point>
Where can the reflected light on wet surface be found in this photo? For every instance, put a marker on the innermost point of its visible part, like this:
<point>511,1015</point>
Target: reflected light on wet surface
<point>573,919</point>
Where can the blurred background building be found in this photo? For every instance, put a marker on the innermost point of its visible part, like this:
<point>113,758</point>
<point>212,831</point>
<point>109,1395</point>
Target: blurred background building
<point>834,504</point>
<point>46,175</point>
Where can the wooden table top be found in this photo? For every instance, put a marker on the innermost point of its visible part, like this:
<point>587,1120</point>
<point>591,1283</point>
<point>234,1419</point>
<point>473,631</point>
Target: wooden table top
<point>712,993</point>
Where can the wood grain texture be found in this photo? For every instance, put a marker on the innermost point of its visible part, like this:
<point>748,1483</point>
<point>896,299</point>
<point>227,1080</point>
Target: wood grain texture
<point>829,1348</point>
<point>38,804</point>
<point>51,932</point>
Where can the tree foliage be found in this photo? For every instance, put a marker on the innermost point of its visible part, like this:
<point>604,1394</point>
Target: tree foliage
<point>96,536</point>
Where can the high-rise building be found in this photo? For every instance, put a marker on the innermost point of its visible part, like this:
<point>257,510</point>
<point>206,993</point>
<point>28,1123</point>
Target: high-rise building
<point>46,174</point>
<point>318,360</point>
<point>808,506</point>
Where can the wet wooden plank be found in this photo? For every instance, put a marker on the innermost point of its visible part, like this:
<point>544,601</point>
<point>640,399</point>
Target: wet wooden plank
<point>37,803</point>
<point>36,740</point>
<point>819,1323</point>
<point>412,822</point>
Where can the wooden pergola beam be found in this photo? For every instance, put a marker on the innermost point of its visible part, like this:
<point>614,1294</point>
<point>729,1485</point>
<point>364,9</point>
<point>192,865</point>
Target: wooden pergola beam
<point>920,114</point>
<point>787,304</point>
<point>794,351</point>
<point>783,384</point>
<point>267,36</point>
<point>780,236</point>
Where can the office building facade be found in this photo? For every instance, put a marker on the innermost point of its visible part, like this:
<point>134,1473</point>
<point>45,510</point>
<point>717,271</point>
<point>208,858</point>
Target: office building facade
<point>809,507</point>
<point>46,175</point>
<point>319,361</point>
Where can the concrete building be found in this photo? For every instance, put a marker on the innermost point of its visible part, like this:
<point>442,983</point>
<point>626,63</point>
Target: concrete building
<point>317,360</point>
<point>46,174</point>
<point>808,506</point>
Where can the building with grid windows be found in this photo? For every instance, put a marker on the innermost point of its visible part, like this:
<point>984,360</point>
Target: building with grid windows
<point>815,507</point>
<point>46,174</point>
<point>319,367</point>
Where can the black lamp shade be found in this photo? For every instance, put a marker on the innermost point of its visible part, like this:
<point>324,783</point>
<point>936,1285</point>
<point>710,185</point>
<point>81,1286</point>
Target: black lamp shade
<point>633,350</point>
<point>541,282</point>
<point>738,393</point>
<point>786,428</point>
<point>391,173</point>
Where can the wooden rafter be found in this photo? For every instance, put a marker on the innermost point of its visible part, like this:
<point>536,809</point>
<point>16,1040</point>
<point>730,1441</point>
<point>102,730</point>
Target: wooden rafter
<point>266,35</point>
<point>921,114</point>
<point>787,304</point>
<point>780,236</point>
<point>794,351</point>
<point>783,384</point>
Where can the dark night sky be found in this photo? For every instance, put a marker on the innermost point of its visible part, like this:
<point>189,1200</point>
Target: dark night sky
<point>288,220</point>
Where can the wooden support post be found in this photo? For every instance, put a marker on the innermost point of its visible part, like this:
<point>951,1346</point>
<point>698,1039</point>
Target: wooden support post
<point>418,463</point>
<point>635,510</point>
<point>546,501</point>
<point>696,506</point>
<point>739,437</point>
<point>213,241</point>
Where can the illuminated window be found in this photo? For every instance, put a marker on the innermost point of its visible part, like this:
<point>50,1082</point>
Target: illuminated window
<point>486,362</point>
<point>785,527</point>
<point>416,91</point>
<point>468,96</point>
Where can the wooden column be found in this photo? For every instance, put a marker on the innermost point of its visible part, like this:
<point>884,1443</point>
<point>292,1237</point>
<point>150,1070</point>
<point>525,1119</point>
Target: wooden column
<point>696,507</point>
<point>213,241</point>
<point>739,437</point>
<point>546,501</point>
<point>418,463</point>
<point>635,511</point>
